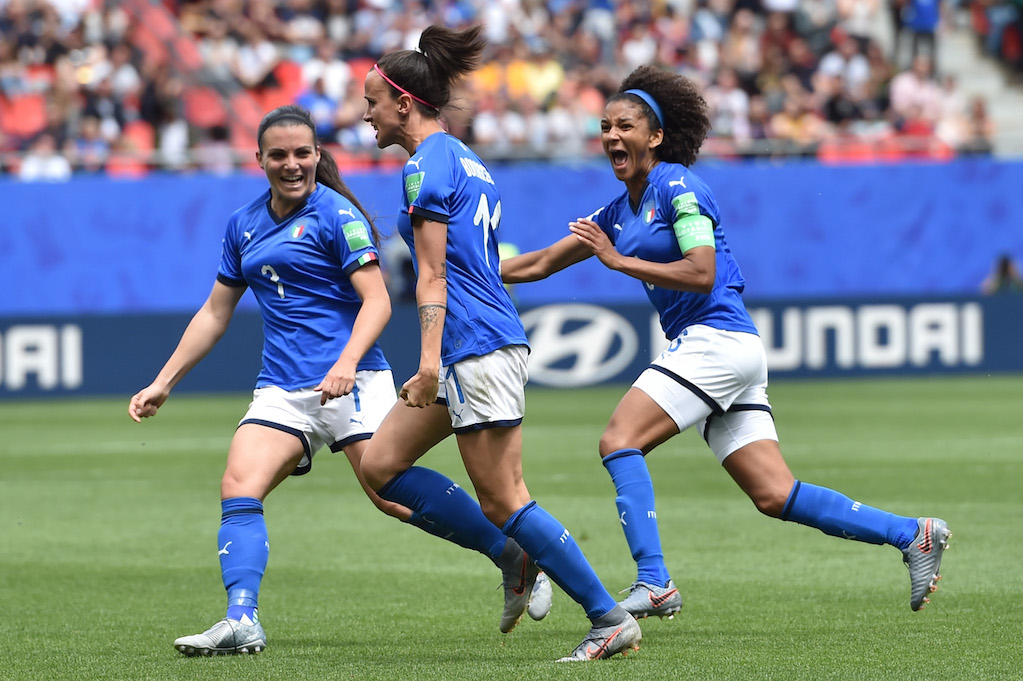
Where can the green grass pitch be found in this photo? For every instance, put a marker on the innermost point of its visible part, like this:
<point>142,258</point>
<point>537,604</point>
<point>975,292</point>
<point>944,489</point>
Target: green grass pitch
<point>108,548</point>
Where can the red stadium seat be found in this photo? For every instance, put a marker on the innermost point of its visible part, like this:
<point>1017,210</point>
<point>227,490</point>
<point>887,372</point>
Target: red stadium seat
<point>204,108</point>
<point>23,116</point>
<point>272,97</point>
<point>141,135</point>
<point>1012,44</point>
<point>289,77</point>
<point>360,67</point>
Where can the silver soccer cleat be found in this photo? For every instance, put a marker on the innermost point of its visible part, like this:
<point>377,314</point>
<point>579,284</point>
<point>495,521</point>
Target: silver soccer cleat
<point>645,600</point>
<point>226,637</point>
<point>923,558</point>
<point>603,642</point>
<point>541,598</point>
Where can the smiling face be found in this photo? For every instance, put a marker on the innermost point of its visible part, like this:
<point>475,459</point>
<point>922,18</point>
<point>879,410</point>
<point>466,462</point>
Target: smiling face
<point>382,109</point>
<point>288,155</point>
<point>628,142</point>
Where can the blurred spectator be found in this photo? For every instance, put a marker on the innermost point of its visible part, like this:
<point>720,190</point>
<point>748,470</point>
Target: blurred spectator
<point>797,127</point>
<point>857,19</point>
<point>980,129</point>
<point>1004,277</point>
<point>219,51</point>
<point>847,62</point>
<point>916,87</point>
<point>499,128</point>
<point>740,48</point>
<point>213,153</point>
<point>43,163</point>
<point>638,46</point>
<point>87,149</point>
<point>352,131</point>
<point>13,74</point>
<point>91,59</point>
<point>728,107</point>
<point>303,27</point>
<point>255,59</point>
<point>321,106</point>
<point>105,105</point>
<point>802,63</point>
<point>328,65</point>
<point>759,120</point>
<point>568,121</point>
<point>124,78</point>
<point>921,18</point>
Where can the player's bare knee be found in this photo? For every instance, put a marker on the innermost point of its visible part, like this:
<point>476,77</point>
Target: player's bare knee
<point>611,441</point>
<point>769,502</point>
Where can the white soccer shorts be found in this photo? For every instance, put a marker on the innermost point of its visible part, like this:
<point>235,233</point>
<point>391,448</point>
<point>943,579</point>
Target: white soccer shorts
<point>717,381</point>
<point>487,391</point>
<point>338,423</point>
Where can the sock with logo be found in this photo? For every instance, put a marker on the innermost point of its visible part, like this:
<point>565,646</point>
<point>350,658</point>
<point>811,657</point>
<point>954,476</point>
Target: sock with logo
<point>637,513</point>
<point>838,515</point>
<point>442,505</point>
<point>552,548</point>
<point>244,549</point>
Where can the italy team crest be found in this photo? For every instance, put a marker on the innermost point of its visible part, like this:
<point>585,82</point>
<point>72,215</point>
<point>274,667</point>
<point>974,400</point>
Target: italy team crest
<point>648,212</point>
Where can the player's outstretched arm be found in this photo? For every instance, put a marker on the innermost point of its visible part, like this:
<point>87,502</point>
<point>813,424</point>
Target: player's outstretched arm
<point>542,263</point>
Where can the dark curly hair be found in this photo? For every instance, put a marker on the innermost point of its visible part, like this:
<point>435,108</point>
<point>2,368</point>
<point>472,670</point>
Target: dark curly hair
<point>685,124</point>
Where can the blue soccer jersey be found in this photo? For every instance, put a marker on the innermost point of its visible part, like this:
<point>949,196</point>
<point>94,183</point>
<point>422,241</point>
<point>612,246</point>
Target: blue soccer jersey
<point>674,192</point>
<point>297,268</point>
<point>445,181</point>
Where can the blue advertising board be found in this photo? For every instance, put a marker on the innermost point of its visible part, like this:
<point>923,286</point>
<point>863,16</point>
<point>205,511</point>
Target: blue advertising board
<point>573,344</point>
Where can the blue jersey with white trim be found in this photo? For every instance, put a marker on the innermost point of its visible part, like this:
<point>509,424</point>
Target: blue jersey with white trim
<point>673,191</point>
<point>297,267</point>
<point>445,181</point>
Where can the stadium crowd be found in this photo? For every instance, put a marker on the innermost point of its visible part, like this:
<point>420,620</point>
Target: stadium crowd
<point>123,87</point>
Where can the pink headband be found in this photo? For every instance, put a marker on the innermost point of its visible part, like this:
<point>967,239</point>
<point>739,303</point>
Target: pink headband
<point>403,90</point>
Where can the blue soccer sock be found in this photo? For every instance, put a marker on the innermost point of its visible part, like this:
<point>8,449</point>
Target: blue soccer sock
<point>638,514</point>
<point>417,519</point>
<point>838,515</point>
<point>438,501</point>
<point>552,548</point>
<point>244,549</point>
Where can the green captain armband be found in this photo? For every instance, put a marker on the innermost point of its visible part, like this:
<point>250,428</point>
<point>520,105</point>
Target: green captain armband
<point>694,230</point>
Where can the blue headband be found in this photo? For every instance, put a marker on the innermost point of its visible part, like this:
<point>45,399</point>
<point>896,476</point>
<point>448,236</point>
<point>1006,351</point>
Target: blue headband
<point>651,102</point>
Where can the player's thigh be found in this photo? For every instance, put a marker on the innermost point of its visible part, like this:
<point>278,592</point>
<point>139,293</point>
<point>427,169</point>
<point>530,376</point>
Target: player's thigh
<point>404,436</point>
<point>259,458</point>
<point>638,422</point>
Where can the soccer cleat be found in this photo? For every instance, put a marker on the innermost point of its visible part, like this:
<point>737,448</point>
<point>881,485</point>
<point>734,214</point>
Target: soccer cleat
<point>519,575</point>
<point>923,558</point>
<point>645,600</point>
<point>541,597</point>
<point>226,637</point>
<point>603,642</point>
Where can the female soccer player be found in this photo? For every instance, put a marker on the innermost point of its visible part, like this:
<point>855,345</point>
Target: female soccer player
<point>665,230</point>
<point>472,366</point>
<point>309,254</point>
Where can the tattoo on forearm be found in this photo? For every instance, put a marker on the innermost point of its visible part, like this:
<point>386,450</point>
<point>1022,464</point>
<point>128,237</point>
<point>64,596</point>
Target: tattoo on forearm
<point>429,314</point>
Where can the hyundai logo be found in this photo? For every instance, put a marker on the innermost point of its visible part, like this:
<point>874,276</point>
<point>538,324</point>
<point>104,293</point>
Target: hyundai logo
<point>575,345</point>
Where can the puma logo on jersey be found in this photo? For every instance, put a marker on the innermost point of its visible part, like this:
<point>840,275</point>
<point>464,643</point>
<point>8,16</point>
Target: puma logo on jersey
<point>345,211</point>
<point>413,162</point>
<point>680,182</point>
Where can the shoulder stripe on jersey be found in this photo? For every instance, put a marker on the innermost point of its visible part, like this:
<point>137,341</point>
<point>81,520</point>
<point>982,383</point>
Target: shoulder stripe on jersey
<point>428,214</point>
<point>233,283</point>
